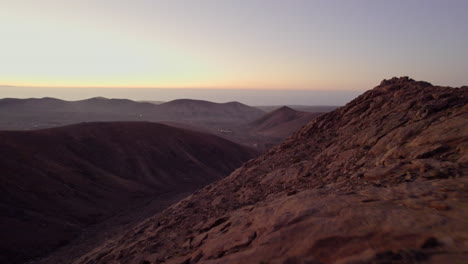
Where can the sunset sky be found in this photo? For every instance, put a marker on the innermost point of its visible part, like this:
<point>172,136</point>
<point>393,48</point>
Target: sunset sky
<point>232,44</point>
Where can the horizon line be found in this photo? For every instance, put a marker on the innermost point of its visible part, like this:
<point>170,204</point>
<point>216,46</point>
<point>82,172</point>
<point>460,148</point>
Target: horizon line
<point>183,87</point>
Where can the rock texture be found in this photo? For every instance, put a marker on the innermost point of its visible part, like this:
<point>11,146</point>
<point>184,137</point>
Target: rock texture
<point>380,180</point>
<point>57,181</point>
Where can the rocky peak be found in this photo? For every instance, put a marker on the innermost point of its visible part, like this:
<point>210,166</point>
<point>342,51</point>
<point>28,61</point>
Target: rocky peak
<point>285,108</point>
<point>401,82</point>
<point>395,80</point>
<point>376,180</point>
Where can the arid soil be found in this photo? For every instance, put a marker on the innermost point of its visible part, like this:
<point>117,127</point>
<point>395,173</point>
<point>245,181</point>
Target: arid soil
<point>380,180</point>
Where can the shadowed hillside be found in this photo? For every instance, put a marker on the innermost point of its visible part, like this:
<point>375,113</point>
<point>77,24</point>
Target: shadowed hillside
<point>57,181</point>
<point>380,180</point>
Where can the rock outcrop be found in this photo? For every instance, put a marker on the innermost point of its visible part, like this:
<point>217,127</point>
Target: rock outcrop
<point>380,180</point>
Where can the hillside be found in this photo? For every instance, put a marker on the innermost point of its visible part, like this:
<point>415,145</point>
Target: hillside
<point>380,180</point>
<point>268,130</point>
<point>57,181</point>
<point>282,122</point>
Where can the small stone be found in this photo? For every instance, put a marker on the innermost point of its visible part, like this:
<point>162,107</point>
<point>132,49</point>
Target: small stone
<point>431,242</point>
<point>438,205</point>
<point>408,176</point>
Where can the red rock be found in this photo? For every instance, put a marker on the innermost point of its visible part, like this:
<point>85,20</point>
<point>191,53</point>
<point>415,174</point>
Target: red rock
<point>379,134</point>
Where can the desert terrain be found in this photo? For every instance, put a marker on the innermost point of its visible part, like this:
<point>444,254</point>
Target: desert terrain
<point>379,180</point>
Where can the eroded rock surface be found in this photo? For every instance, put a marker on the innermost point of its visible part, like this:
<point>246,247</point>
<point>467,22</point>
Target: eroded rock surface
<point>380,180</point>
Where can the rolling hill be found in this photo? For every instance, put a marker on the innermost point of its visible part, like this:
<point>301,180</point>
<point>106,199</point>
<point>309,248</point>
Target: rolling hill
<point>55,182</point>
<point>282,122</point>
<point>380,180</point>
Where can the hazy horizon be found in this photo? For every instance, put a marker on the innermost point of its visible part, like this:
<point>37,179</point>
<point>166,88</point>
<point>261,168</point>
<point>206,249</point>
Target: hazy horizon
<point>246,96</point>
<point>282,45</point>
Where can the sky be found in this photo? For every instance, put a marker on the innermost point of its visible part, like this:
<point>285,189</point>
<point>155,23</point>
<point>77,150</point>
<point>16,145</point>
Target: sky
<point>295,48</point>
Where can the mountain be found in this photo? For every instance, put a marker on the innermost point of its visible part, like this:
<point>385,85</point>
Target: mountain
<point>187,109</point>
<point>46,104</point>
<point>153,102</point>
<point>101,104</point>
<point>380,180</point>
<point>55,182</point>
<point>266,131</point>
<point>26,114</point>
<point>282,122</point>
<point>303,108</point>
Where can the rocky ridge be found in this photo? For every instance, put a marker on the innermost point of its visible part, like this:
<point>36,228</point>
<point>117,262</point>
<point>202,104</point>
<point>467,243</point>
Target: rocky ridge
<point>380,180</point>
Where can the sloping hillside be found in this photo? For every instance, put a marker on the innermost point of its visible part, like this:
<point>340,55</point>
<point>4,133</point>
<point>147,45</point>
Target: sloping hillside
<point>282,122</point>
<point>57,181</point>
<point>381,180</point>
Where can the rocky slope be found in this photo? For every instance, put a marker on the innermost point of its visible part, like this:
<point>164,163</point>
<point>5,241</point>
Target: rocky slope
<point>380,180</point>
<point>57,181</point>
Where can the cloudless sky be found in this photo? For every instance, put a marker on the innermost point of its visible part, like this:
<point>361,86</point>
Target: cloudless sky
<point>327,45</point>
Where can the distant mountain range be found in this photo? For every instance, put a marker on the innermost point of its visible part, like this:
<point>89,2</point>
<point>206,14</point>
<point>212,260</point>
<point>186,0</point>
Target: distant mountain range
<point>20,114</point>
<point>235,121</point>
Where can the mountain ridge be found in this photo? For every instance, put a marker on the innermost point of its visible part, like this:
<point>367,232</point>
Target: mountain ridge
<point>378,180</point>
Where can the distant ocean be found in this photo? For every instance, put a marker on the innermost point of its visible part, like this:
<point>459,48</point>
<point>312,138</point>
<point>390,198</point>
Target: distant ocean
<point>246,96</point>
